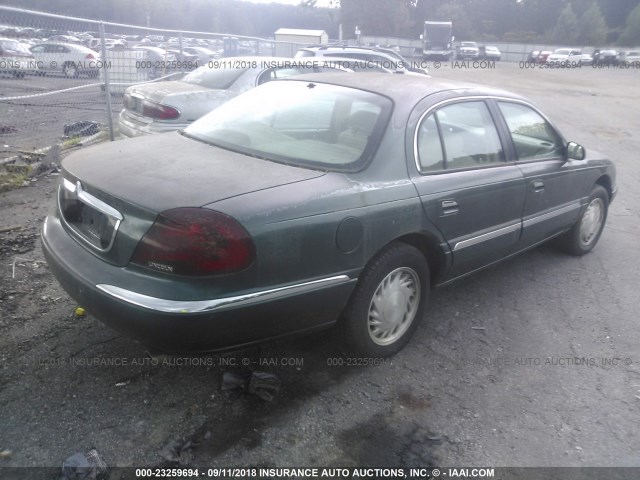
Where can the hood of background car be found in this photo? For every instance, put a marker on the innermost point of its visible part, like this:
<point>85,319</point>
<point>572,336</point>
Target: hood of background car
<point>159,172</point>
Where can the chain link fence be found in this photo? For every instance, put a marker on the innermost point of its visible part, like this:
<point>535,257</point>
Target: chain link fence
<point>62,79</point>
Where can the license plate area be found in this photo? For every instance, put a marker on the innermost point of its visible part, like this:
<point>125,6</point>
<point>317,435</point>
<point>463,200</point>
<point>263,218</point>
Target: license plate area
<point>88,217</point>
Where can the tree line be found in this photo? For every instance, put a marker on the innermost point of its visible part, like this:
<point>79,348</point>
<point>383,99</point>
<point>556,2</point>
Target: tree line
<point>586,22</point>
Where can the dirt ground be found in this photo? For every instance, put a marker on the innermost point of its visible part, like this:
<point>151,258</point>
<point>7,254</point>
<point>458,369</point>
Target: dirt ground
<point>534,362</point>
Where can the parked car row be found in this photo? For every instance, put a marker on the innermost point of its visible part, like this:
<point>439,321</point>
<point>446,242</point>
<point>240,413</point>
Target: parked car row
<point>572,57</point>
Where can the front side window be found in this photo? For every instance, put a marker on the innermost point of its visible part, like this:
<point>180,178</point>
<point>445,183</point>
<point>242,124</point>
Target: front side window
<point>460,135</point>
<point>533,137</point>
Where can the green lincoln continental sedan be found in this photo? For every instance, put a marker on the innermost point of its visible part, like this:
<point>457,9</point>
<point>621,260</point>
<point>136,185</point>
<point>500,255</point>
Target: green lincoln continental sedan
<point>323,199</point>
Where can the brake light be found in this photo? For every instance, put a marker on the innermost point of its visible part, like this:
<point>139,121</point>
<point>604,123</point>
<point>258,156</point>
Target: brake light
<point>196,242</point>
<point>89,57</point>
<point>159,111</point>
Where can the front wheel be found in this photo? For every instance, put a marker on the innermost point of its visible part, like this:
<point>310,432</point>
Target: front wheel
<point>584,235</point>
<point>387,303</point>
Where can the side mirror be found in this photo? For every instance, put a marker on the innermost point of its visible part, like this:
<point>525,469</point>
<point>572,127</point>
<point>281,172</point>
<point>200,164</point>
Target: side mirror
<point>575,151</point>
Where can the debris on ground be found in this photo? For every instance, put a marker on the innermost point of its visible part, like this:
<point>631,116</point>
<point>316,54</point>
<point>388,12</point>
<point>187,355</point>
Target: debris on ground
<point>81,129</point>
<point>16,259</point>
<point>232,381</point>
<point>178,451</point>
<point>26,166</point>
<point>80,312</point>
<point>261,384</point>
<point>5,453</point>
<point>7,129</point>
<point>84,466</point>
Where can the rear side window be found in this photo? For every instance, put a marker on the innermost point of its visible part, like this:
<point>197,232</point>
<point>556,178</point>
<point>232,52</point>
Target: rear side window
<point>533,137</point>
<point>429,146</point>
<point>459,136</point>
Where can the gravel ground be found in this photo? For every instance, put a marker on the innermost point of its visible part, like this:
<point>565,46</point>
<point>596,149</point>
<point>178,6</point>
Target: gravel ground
<point>534,362</point>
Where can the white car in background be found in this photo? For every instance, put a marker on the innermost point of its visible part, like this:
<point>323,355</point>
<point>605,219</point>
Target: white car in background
<point>569,57</point>
<point>468,51</point>
<point>15,58</point>
<point>632,58</point>
<point>69,59</point>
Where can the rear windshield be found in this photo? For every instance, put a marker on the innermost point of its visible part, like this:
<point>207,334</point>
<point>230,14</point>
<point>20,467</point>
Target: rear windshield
<point>299,123</point>
<point>217,78</point>
<point>303,54</point>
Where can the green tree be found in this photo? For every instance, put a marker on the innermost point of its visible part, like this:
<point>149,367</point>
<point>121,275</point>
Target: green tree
<point>592,28</point>
<point>566,29</point>
<point>631,33</point>
<point>463,27</point>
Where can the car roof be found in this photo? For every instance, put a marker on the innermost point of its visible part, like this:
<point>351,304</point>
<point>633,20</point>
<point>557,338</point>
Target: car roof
<point>64,44</point>
<point>403,89</point>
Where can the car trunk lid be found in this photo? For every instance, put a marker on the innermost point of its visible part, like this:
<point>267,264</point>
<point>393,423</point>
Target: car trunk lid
<point>192,101</point>
<point>112,193</point>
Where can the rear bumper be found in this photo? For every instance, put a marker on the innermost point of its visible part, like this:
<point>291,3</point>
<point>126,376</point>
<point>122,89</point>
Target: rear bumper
<point>181,325</point>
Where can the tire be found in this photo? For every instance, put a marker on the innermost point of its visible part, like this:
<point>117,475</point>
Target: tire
<point>586,232</point>
<point>387,303</point>
<point>70,70</point>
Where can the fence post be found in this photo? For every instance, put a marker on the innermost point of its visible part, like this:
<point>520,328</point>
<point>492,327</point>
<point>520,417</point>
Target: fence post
<point>181,61</point>
<point>107,90</point>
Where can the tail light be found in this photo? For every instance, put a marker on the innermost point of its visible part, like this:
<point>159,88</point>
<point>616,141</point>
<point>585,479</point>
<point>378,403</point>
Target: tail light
<point>159,111</point>
<point>90,57</point>
<point>196,242</point>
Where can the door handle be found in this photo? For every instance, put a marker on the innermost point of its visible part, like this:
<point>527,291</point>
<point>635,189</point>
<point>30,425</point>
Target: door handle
<point>537,186</point>
<point>449,207</point>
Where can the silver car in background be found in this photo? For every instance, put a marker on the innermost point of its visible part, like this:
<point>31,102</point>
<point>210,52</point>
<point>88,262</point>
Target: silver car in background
<point>167,106</point>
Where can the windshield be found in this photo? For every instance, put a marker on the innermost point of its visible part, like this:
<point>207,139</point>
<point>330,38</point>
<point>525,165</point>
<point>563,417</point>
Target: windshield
<point>562,51</point>
<point>468,44</point>
<point>299,123</point>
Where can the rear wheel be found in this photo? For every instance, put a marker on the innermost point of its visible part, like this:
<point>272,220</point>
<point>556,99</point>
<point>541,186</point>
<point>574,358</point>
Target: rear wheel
<point>387,303</point>
<point>584,235</point>
<point>70,70</point>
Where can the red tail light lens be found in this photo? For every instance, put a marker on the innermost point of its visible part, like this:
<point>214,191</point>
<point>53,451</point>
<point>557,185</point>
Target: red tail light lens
<point>195,242</point>
<point>159,111</point>
<point>89,57</point>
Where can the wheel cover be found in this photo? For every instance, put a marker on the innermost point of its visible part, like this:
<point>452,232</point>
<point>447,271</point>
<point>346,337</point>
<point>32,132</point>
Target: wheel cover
<point>70,70</point>
<point>591,222</point>
<point>394,306</point>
